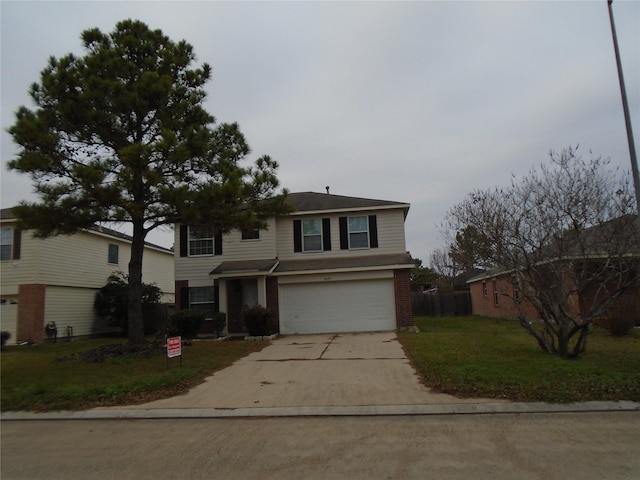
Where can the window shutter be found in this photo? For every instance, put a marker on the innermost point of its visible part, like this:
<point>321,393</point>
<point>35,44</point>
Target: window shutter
<point>344,234</point>
<point>326,234</point>
<point>373,232</point>
<point>17,238</point>
<point>217,244</point>
<point>184,298</point>
<point>216,298</point>
<point>184,241</point>
<point>297,235</point>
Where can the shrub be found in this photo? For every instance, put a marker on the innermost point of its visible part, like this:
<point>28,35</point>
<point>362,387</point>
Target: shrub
<point>4,336</point>
<point>111,301</point>
<point>622,317</point>
<point>618,325</point>
<point>186,323</point>
<point>219,322</point>
<point>258,321</point>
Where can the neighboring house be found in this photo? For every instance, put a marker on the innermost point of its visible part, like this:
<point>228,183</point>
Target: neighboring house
<point>336,264</point>
<point>492,295</point>
<point>56,279</point>
<point>493,292</point>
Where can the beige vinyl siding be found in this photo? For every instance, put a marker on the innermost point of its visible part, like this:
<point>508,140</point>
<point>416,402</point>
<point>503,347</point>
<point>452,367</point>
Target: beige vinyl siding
<point>234,248</point>
<point>23,270</point>
<point>157,267</point>
<point>81,260</point>
<point>73,307</point>
<point>197,269</point>
<point>391,237</point>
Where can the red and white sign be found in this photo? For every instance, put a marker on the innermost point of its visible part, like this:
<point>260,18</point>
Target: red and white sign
<point>174,347</point>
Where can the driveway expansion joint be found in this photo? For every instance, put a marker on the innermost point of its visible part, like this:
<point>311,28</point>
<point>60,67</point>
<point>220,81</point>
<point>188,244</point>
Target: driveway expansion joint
<point>328,411</point>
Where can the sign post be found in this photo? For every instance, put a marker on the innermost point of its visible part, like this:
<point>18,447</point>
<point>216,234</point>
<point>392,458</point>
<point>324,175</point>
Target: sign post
<point>174,349</point>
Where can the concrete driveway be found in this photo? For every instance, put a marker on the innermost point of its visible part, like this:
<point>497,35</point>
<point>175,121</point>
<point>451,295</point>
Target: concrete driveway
<point>314,370</point>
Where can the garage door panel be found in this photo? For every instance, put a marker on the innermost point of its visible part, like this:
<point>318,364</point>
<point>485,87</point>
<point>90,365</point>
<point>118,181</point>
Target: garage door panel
<point>348,306</point>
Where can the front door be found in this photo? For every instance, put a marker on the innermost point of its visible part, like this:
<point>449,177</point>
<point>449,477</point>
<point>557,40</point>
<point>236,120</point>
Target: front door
<point>241,294</point>
<point>249,293</point>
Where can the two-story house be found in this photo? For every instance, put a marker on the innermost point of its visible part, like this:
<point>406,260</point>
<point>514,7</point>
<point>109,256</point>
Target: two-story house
<point>336,264</point>
<point>56,279</point>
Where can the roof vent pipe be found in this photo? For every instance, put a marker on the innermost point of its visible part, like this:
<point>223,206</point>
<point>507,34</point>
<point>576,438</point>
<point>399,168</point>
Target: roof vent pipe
<point>327,187</point>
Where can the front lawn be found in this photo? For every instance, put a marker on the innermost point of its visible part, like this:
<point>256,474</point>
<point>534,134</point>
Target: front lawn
<point>496,358</point>
<point>43,377</point>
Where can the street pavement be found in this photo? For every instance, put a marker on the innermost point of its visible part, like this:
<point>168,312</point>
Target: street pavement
<point>545,446</point>
<point>324,406</point>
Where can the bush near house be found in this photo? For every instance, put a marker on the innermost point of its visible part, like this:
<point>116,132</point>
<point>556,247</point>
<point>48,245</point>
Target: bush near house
<point>219,322</point>
<point>186,323</point>
<point>112,299</point>
<point>258,320</point>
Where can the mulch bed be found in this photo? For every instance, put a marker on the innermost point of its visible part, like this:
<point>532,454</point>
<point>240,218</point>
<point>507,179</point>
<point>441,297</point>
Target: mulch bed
<point>106,352</point>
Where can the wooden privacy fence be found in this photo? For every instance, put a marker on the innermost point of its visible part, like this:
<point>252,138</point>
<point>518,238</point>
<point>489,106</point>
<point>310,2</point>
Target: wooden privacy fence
<point>441,304</point>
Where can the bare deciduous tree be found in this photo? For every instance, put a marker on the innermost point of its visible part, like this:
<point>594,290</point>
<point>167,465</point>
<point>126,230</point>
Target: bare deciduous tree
<point>567,236</point>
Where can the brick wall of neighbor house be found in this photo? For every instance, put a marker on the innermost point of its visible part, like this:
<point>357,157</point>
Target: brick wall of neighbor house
<point>272,301</point>
<point>31,312</point>
<point>402,286</point>
<point>482,304</point>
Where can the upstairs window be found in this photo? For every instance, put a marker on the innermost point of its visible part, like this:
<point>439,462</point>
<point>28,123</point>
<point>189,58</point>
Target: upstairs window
<point>358,232</point>
<point>200,241</point>
<point>113,253</point>
<point>6,244</point>
<point>312,235</point>
<point>251,234</point>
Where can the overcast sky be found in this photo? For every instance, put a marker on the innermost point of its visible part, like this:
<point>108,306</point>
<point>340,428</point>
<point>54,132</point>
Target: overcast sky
<point>418,102</point>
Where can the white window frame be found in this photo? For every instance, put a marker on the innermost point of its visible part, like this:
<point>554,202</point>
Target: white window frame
<point>200,241</point>
<point>352,232</point>
<point>6,244</point>
<point>306,236</point>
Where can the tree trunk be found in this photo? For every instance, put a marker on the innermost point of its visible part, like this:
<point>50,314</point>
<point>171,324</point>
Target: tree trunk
<point>134,310</point>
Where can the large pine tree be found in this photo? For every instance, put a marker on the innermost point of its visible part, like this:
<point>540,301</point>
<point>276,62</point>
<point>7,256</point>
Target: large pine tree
<point>120,135</point>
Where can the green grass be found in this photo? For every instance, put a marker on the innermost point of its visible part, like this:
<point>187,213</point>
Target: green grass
<point>496,358</point>
<point>33,379</point>
<point>465,356</point>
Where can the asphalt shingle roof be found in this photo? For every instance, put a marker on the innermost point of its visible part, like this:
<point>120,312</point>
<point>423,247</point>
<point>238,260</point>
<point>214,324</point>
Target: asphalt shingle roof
<point>312,201</point>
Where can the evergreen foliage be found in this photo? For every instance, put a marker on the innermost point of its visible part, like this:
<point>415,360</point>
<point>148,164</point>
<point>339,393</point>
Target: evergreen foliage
<point>120,135</point>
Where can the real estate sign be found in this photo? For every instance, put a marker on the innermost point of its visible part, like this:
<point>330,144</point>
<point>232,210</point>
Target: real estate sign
<point>174,347</point>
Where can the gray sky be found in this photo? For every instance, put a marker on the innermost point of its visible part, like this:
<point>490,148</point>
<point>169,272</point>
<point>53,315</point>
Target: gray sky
<point>419,102</point>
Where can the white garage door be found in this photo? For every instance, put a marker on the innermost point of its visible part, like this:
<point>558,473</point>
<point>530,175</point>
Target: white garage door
<point>350,306</point>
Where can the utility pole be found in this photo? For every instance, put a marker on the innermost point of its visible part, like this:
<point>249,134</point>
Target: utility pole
<point>627,116</point>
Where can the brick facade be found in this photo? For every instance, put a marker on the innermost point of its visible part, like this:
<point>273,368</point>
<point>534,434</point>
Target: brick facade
<point>30,325</point>
<point>181,285</point>
<point>402,287</point>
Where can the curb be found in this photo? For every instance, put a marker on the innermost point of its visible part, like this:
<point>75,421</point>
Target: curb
<point>326,411</point>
